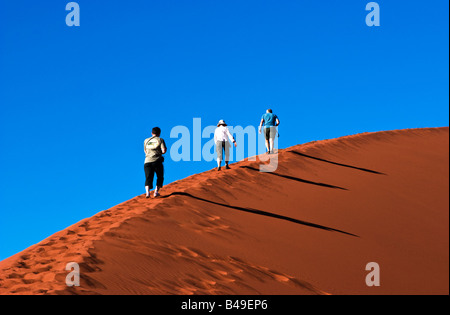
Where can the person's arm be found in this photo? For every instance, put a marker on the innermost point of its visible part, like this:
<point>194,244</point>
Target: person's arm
<point>145,147</point>
<point>277,122</point>
<point>163,147</point>
<point>231,137</point>
<point>261,124</point>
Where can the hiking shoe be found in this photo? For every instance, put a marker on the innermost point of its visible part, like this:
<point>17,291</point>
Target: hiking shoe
<point>227,167</point>
<point>219,168</point>
<point>156,194</point>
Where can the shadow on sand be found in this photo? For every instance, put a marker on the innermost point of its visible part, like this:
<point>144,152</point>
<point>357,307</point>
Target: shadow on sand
<point>295,178</point>
<point>260,212</point>
<point>335,163</point>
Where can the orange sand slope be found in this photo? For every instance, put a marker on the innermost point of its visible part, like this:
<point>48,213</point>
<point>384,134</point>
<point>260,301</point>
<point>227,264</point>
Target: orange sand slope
<point>309,228</point>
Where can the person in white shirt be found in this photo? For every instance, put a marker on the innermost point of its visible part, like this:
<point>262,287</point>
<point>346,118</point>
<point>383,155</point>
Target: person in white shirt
<point>154,148</point>
<point>221,136</point>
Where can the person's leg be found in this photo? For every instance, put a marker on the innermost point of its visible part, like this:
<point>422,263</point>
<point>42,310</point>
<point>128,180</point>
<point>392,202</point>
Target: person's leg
<point>273,133</point>
<point>219,151</point>
<point>267,136</point>
<point>271,145</point>
<point>159,170</point>
<point>148,178</point>
<point>227,147</point>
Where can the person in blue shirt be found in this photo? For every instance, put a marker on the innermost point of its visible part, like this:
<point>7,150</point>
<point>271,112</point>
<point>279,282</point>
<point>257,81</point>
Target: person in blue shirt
<point>270,122</point>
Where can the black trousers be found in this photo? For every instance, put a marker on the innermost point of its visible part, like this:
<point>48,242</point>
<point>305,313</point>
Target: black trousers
<point>150,169</point>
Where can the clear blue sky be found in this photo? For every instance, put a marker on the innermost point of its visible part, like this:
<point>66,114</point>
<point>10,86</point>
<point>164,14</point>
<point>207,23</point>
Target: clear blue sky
<point>76,103</point>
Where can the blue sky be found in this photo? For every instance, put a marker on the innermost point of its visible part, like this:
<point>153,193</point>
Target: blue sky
<point>76,103</point>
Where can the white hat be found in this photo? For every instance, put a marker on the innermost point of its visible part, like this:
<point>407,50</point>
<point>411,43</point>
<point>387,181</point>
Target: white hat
<point>221,122</point>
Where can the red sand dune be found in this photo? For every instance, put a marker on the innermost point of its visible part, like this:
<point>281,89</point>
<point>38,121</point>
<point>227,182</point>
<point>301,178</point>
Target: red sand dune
<point>309,228</point>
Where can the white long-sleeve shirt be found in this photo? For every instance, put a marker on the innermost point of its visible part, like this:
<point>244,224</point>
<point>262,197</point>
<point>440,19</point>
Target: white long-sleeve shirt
<point>222,134</point>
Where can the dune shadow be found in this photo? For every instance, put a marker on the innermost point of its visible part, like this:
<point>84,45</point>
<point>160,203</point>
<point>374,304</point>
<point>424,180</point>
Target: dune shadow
<point>335,163</point>
<point>260,212</point>
<point>295,178</point>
